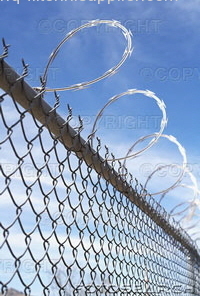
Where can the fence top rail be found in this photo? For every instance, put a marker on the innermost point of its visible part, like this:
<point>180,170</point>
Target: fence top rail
<point>14,85</point>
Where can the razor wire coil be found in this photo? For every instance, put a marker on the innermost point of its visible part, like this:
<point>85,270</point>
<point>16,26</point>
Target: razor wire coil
<point>78,224</point>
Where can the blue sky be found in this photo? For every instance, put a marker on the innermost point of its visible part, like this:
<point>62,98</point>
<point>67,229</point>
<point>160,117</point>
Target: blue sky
<point>165,60</point>
<point>165,43</point>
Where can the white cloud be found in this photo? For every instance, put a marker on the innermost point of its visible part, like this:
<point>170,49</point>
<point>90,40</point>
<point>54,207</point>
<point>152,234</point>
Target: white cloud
<point>192,6</point>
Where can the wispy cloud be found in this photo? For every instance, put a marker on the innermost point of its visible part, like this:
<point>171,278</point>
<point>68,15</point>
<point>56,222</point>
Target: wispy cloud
<point>192,6</point>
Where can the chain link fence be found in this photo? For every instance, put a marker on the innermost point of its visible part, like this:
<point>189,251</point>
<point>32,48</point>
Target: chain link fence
<point>73,223</point>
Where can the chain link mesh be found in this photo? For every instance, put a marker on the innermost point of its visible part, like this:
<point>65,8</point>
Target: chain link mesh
<point>71,224</point>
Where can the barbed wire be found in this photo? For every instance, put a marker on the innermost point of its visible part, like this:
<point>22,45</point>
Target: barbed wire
<point>123,237</point>
<point>147,93</point>
<point>127,52</point>
<point>161,105</point>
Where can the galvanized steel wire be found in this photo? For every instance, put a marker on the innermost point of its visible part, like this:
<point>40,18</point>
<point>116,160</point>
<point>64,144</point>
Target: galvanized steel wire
<point>71,222</point>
